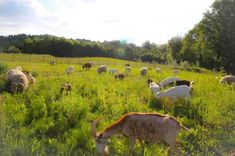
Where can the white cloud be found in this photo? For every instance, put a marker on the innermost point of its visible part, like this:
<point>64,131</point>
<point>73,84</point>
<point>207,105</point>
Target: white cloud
<point>134,20</point>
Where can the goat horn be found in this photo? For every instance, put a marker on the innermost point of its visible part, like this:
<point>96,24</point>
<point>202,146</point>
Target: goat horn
<point>93,127</point>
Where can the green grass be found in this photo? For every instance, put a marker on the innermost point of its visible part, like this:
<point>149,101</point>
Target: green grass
<point>43,122</point>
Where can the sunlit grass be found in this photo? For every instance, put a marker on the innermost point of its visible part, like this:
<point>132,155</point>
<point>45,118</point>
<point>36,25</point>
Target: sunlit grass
<point>43,122</point>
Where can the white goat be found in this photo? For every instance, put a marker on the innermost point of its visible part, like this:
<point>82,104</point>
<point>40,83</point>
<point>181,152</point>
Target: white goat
<point>175,92</point>
<point>143,71</point>
<point>102,68</point>
<point>228,79</point>
<point>158,70</point>
<point>128,68</point>
<point>176,71</point>
<point>19,68</point>
<point>69,70</point>
<point>32,80</point>
<point>154,87</point>
<point>112,71</point>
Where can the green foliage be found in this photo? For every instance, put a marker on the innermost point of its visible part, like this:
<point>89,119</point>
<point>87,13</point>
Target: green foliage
<point>211,41</point>
<point>42,121</point>
<point>174,46</point>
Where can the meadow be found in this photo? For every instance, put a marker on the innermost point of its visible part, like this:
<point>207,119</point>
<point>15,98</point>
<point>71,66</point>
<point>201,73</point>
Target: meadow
<point>42,122</point>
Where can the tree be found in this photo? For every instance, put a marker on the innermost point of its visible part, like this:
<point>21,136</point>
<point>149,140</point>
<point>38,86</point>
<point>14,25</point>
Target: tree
<point>212,40</point>
<point>174,46</point>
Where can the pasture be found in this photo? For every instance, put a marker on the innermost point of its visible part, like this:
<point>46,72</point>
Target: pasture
<point>43,122</point>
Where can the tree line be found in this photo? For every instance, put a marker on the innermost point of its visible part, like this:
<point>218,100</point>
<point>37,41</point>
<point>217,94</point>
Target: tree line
<point>209,44</point>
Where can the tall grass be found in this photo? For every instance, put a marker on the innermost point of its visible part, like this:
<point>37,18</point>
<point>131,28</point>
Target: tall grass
<point>41,121</point>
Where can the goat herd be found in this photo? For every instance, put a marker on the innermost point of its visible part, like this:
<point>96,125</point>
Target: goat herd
<point>150,127</point>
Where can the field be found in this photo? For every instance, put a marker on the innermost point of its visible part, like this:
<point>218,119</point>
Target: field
<point>43,122</point>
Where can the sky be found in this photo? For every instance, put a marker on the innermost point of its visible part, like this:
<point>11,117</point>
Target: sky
<point>133,21</point>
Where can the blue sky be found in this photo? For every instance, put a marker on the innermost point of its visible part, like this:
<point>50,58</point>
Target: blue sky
<point>133,20</point>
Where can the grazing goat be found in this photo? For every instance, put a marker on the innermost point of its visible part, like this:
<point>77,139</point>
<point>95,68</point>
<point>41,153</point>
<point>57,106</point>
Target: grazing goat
<point>67,87</point>
<point>19,68</point>
<point>158,70</point>
<point>149,81</point>
<point>119,76</point>
<point>128,68</point>
<point>183,82</point>
<point>229,79</point>
<point>143,71</point>
<point>69,70</point>
<point>175,92</point>
<point>17,80</point>
<point>112,71</point>
<point>29,76</point>
<point>167,81</point>
<point>102,69</point>
<point>153,86</point>
<point>32,80</point>
<point>175,71</point>
<point>87,66</point>
<point>52,62</point>
<point>150,127</point>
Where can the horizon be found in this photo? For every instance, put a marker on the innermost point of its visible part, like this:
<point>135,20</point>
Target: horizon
<point>102,20</point>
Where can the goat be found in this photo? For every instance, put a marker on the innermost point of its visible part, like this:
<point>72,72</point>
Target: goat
<point>19,68</point>
<point>52,62</point>
<point>183,82</point>
<point>17,80</point>
<point>87,66</point>
<point>102,69</point>
<point>30,77</point>
<point>175,92</point>
<point>143,71</point>
<point>150,127</point>
<point>112,71</point>
<point>153,86</point>
<point>229,79</point>
<point>128,68</point>
<point>67,87</point>
<point>176,71</point>
<point>69,70</point>
<point>119,76</point>
<point>158,70</point>
<point>149,81</point>
<point>167,81</point>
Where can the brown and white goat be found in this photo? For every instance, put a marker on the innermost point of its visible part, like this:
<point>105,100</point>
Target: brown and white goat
<point>87,66</point>
<point>150,127</point>
<point>67,87</point>
<point>120,76</point>
<point>183,82</point>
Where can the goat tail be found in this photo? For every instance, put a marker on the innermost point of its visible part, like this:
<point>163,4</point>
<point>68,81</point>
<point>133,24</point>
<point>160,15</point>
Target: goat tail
<point>185,128</point>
